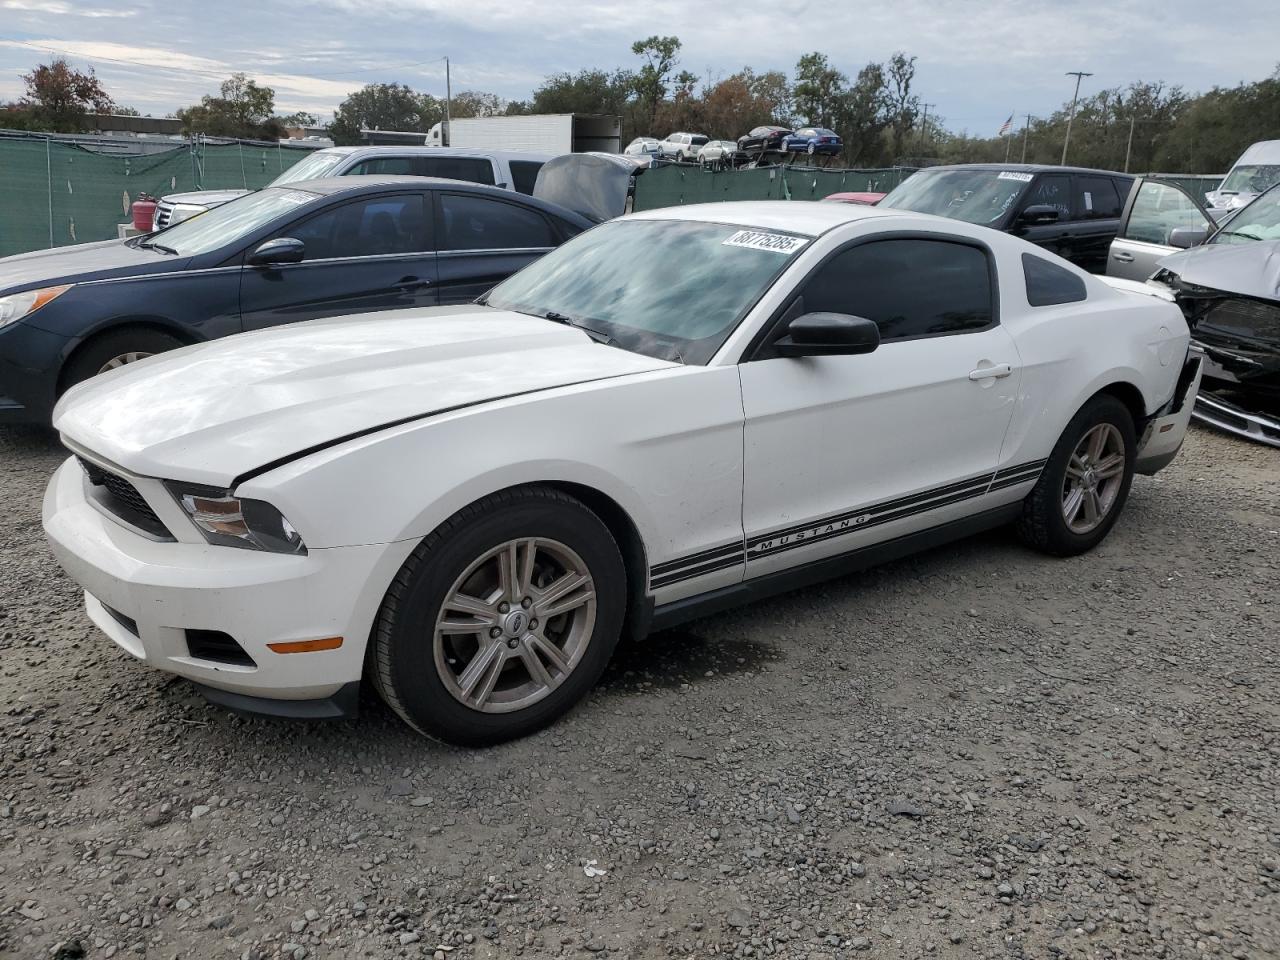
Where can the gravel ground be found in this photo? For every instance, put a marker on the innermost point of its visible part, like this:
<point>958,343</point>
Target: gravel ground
<point>978,752</point>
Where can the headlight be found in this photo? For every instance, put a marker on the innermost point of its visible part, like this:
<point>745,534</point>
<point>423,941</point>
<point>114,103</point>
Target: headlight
<point>18,305</point>
<point>236,521</point>
<point>185,211</point>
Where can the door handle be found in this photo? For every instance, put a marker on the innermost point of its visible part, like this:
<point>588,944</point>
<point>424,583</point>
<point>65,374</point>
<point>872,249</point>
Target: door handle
<point>412,283</point>
<point>993,372</point>
<point>1122,257</point>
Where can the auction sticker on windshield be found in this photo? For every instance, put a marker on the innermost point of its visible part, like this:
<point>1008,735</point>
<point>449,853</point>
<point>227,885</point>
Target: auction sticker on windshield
<point>760,240</point>
<point>1014,175</point>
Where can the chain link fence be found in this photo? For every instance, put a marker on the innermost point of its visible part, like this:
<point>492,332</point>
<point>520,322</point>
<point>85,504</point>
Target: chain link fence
<point>60,190</point>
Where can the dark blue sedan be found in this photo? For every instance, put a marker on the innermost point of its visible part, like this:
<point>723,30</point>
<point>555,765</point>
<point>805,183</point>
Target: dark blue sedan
<point>813,140</point>
<point>297,252</point>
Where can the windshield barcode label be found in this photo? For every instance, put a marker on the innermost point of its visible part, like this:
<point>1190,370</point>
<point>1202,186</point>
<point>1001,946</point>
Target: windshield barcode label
<point>758,240</point>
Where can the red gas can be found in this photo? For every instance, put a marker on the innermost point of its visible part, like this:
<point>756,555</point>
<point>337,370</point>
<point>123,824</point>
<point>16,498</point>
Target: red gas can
<point>143,209</point>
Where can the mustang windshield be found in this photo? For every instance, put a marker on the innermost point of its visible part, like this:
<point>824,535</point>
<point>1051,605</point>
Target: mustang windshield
<point>975,196</point>
<point>672,289</point>
<point>231,221</point>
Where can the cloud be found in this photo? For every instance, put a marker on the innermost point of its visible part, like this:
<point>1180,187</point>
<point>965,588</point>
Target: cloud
<point>58,8</point>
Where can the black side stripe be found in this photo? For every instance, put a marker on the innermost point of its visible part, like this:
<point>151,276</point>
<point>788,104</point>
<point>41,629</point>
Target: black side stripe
<point>730,555</point>
<point>715,553</point>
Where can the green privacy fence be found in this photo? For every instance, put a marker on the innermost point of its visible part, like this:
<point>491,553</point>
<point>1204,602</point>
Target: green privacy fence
<point>54,192</point>
<point>669,186</point>
<point>1195,184</point>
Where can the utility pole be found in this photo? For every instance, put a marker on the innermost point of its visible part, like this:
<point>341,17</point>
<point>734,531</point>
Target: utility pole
<point>1128,149</point>
<point>1026,130</point>
<point>1079,75</point>
<point>448,96</point>
<point>924,124</point>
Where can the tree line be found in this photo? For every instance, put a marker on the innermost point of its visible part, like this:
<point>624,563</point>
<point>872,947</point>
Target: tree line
<point>1145,126</point>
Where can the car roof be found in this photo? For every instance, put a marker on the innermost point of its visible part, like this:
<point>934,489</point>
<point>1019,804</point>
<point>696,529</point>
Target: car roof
<point>1026,168</point>
<point>370,183</point>
<point>789,216</point>
<point>416,151</point>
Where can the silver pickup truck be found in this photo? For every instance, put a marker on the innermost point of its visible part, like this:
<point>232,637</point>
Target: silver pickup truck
<point>505,169</point>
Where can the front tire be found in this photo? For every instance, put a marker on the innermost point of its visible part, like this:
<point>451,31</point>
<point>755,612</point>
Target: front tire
<point>116,349</point>
<point>502,619</point>
<point>1085,482</point>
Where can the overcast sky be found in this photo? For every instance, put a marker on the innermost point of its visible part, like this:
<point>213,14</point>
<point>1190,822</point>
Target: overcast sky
<point>979,60</point>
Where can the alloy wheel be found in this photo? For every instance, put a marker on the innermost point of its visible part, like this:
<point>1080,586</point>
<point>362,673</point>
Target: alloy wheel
<point>514,625</point>
<point>121,359</point>
<point>1095,474</point>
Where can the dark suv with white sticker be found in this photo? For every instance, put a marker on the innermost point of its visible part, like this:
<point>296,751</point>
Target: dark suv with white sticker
<point>1071,211</point>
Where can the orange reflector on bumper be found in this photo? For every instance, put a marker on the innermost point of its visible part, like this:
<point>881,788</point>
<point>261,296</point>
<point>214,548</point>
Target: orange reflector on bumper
<point>306,646</point>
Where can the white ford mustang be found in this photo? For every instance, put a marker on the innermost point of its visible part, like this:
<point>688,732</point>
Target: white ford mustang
<point>672,413</point>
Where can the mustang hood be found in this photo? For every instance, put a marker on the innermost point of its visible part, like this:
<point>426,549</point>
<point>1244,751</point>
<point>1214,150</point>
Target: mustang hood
<point>214,412</point>
<point>1248,269</point>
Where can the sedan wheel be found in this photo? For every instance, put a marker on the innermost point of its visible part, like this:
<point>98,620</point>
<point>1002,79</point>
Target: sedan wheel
<point>502,619</point>
<point>514,625</point>
<point>1095,474</point>
<point>121,359</point>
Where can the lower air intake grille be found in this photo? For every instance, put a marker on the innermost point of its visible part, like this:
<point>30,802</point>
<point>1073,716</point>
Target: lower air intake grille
<point>217,646</point>
<point>122,498</point>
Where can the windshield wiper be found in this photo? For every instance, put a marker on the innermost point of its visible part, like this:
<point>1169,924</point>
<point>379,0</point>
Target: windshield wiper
<point>598,336</point>
<point>1239,233</point>
<point>152,245</point>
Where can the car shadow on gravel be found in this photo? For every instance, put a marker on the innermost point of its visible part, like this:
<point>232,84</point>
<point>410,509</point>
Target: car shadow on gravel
<point>672,658</point>
<point>24,439</point>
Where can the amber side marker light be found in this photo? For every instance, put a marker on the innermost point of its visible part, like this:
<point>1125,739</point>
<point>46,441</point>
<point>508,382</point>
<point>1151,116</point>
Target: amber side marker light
<point>306,646</point>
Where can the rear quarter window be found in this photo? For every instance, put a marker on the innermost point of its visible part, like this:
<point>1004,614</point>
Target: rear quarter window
<point>1049,284</point>
<point>524,174</point>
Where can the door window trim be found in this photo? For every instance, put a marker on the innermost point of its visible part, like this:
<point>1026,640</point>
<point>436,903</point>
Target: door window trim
<point>423,196</point>
<point>767,329</point>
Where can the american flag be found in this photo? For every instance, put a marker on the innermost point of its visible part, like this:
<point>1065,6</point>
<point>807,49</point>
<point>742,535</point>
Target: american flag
<point>1006,126</point>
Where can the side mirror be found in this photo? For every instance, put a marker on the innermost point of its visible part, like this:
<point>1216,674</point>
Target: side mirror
<point>1184,237</point>
<point>1040,213</point>
<point>827,334</point>
<point>279,250</point>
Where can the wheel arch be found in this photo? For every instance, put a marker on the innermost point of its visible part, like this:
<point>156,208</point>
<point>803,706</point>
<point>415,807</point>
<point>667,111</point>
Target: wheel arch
<point>152,323</point>
<point>1128,394</point>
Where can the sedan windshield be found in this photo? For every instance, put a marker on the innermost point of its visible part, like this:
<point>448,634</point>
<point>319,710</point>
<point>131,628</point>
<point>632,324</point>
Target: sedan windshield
<point>1260,220</point>
<point>1254,178</point>
<point>229,222</point>
<point>314,167</point>
<point>672,289</point>
<point>975,196</point>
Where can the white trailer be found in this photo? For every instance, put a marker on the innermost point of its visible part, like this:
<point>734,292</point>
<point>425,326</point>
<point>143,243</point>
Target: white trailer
<point>553,133</point>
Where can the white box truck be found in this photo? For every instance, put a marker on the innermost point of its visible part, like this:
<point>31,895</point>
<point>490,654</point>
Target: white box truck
<point>553,133</point>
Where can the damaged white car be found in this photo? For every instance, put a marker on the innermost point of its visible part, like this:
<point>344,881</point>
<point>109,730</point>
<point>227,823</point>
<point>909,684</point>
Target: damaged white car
<point>672,413</point>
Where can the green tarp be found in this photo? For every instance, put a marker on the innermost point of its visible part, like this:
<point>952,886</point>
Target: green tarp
<point>668,186</point>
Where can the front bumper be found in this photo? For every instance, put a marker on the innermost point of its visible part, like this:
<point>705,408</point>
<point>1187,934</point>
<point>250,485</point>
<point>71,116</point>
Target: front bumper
<point>146,596</point>
<point>30,359</point>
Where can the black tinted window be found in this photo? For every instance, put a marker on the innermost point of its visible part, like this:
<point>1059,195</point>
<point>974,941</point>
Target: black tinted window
<point>1053,190</point>
<point>479,223</point>
<point>1049,283</point>
<point>1096,198</point>
<point>910,288</point>
<point>395,166</point>
<point>474,169</point>
<point>365,228</point>
<point>524,174</point>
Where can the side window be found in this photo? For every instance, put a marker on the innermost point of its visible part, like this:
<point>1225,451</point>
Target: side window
<point>910,288</point>
<point>378,226</point>
<point>394,166</point>
<point>1049,284</point>
<point>1157,210</point>
<point>473,169</point>
<point>1096,198</point>
<point>1054,190</point>
<point>481,223</point>
<point>524,174</point>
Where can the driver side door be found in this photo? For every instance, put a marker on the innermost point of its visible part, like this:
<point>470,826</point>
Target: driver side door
<point>841,452</point>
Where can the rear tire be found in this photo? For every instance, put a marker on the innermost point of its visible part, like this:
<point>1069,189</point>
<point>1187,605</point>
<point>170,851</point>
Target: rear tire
<point>116,348</point>
<point>1085,482</point>
<point>485,635</point>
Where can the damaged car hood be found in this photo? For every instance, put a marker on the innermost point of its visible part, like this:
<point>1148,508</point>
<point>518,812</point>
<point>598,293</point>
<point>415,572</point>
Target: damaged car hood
<point>1247,269</point>
<point>217,411</point>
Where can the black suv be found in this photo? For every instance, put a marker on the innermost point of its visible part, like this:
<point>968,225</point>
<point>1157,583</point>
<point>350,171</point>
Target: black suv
<point>1071,211</point>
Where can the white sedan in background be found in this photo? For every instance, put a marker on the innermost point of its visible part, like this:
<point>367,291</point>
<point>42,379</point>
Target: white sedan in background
<point>674,412</point>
